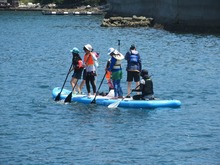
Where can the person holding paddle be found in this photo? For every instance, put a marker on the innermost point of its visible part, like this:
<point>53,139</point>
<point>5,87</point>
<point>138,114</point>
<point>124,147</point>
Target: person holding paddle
<point>77,66</point>
<point>89,63</point>
<point>108,76</point>
<point>146,87</point>
<point>116,71</point>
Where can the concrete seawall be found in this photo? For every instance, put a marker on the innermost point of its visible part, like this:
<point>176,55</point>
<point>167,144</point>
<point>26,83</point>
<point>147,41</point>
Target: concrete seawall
<point>203,14</point>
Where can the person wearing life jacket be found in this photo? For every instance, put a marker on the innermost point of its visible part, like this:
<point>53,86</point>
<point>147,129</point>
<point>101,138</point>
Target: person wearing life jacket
<point>134,67</point>
<point>116,71</point>
<point>146,87</point>
<point>89,63</point>
<point>108,76</point>
<point>84,71</point>
<point>77,66</point>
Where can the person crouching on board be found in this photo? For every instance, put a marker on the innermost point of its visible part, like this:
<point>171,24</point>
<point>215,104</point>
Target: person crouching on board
<point>146,87</point>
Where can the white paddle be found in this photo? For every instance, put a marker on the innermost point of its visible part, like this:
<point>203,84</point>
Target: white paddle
<point>116,104</point>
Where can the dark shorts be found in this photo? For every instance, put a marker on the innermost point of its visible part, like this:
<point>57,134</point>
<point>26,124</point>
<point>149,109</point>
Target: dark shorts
<point>77,73</point>
<point>131,75</point>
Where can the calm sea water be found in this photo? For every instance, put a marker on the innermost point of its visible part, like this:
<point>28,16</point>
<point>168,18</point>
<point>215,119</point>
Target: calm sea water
<point>35,58</point>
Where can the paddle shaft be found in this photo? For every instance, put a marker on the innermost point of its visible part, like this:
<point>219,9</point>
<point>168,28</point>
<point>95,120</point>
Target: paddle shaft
<point>58,96</point>
<point>119,45</point>
<point>131,92</point>
<point>93,101</point>
<point>69,97</point>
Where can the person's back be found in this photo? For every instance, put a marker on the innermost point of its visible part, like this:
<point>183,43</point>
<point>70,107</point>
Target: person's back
<point>133,68</point>
<point>147,89</point>
<point>133,61</point>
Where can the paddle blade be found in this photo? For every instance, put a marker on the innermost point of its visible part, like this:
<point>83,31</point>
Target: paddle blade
<point>68,98</point>
<point>114,105</point>
<point>57,97</point>
<point>93,101</point>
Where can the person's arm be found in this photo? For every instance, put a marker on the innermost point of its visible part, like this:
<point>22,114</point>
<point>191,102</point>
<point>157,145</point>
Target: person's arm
<point>94,56</point>
<point>138,89</point>
<point>112,63</point>
<point>126,56</point>
<point>107,65</point>
<point>139,61</point>
<point>141,86</point>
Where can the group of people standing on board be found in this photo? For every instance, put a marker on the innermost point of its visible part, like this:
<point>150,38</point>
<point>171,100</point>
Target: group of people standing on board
<point>86,67</point>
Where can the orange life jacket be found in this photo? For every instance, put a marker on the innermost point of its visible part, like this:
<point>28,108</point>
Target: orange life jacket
<point>108,75</point>
<point>88,60</point>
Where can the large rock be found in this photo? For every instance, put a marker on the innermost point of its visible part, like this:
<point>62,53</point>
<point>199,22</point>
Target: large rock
<point>133,21</point>
<point>187,15</point>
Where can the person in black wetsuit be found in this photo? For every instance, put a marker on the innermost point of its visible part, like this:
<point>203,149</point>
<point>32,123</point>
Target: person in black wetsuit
<point>146,87</point>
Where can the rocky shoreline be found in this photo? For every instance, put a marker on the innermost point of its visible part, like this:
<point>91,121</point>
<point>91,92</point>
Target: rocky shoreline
<point>133,21</point>
<point>117,21</point>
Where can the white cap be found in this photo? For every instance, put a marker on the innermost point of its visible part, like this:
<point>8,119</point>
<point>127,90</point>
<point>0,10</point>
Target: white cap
<point>88,47</point>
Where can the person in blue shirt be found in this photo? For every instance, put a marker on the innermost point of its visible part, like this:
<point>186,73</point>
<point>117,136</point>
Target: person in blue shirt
<point>116,71</point>
<point>134,67</point>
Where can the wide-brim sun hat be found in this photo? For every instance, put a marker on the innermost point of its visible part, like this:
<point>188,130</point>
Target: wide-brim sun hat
<point>117,55</point>
<point>88,47</point>
<point>110,50</point>
<point>75,50</point>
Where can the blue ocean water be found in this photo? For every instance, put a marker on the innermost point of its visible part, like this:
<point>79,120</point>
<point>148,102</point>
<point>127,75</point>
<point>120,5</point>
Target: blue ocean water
<point>34,129</point>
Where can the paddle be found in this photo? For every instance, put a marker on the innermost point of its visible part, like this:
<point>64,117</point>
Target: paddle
<point>58,96</point>
<point>69,97</point>
<point>94,101</point>
<point>119,45</point>
<point>115,104</point>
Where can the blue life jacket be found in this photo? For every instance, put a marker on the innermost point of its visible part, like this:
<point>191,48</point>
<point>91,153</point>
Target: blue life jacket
<point>133,60</point>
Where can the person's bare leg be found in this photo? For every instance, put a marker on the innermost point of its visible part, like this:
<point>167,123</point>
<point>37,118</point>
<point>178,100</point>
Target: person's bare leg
<point>137,84</point>
<point>82,84</point>
<point>73,83</point>
<point>129,88</point>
